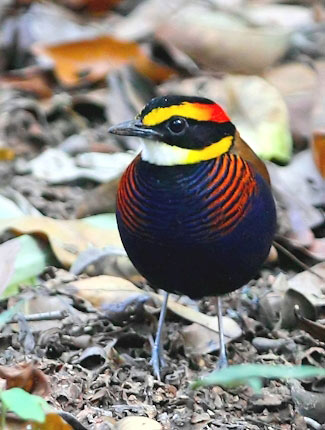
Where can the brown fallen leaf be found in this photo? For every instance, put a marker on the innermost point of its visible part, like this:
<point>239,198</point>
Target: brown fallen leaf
<point>318,145</point>
<point>104,290</point>
<point>99,200</point>
<point>30,80</point>
<point>53,421</point>
<point>90,60</point>
<point>27,377</point>
<point>99,290</point>
<point>318,124</point>
<point>200,340</point>
<point>67,238</point>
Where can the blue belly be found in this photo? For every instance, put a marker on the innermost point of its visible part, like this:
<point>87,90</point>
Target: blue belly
<point>171,257</point>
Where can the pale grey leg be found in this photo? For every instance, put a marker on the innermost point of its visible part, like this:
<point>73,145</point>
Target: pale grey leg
<point>222,362</point>
<point>157,360</point>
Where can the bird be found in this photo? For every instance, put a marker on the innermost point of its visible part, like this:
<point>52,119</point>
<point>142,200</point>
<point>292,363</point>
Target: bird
<point>195,209</point>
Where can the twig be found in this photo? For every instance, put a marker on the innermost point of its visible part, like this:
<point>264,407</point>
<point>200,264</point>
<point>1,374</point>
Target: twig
<point>296,260</point>
<point>42,316</point>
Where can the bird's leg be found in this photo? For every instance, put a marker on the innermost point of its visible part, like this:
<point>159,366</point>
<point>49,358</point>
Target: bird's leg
<point>222,361</point>
<point>157,359</point>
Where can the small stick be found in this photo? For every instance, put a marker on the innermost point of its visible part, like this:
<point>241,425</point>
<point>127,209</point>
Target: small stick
<point>42,316</point>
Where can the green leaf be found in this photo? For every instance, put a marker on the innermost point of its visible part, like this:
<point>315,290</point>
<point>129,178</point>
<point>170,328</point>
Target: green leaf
<point>31,260</point>
<point>25,405</point>
<point>276,142</point>
<point>252,374</point>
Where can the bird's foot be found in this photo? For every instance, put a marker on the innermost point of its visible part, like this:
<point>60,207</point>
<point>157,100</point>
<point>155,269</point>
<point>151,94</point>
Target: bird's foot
<point>157,361</point>
<point>222,362</point>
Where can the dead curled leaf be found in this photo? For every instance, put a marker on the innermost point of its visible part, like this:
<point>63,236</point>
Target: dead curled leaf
<point>67,238</point>
<point>101,290</point>
<point>27,377</point>
<point>90,60</point>
<point>127,310</point>
<point>306,289</point>
<point>313,328</point>
<point>308,403</point>
<point>92,357</point>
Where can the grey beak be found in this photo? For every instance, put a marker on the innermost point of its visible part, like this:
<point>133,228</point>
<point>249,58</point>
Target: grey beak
<point>134,128</point>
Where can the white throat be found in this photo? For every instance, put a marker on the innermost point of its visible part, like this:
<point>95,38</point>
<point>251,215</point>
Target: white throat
<point>162,154</point>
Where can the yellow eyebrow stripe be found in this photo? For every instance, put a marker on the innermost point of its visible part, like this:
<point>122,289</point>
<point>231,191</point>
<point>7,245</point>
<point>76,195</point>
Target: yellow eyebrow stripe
<point>196,111</point>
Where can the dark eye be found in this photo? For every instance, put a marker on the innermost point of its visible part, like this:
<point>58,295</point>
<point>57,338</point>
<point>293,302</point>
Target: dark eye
<point>177,125</point>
